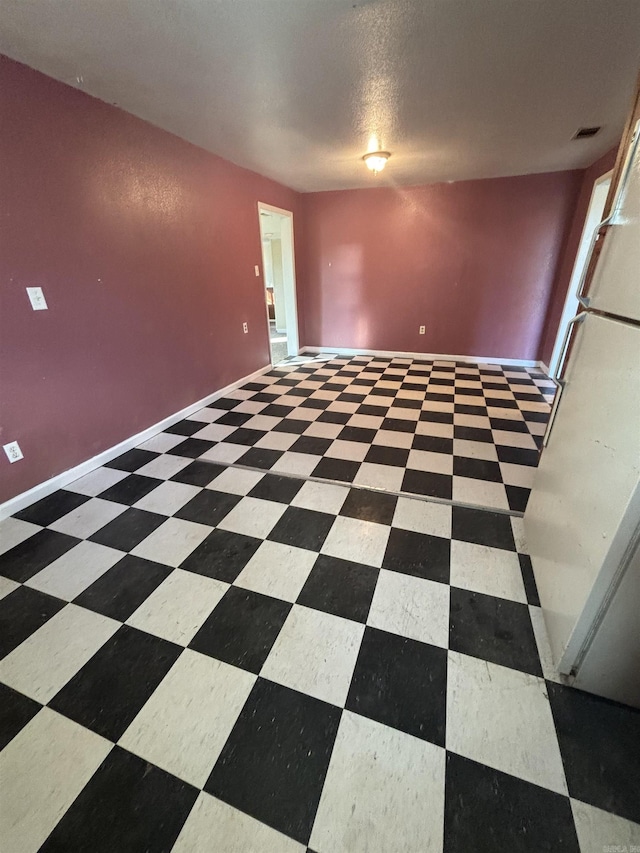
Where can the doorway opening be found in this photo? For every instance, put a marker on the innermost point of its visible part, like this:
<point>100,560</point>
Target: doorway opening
<point>278,267</point>
<point>571,304</point>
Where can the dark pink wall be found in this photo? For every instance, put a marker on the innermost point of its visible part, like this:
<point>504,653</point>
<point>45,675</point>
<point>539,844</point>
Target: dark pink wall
<point>473,261</point>
<point>144,246</point>
<point>569,250</point>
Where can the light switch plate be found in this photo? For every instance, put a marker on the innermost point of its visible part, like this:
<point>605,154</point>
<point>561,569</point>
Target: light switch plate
<point>13,451</point>
<point>36,297</point>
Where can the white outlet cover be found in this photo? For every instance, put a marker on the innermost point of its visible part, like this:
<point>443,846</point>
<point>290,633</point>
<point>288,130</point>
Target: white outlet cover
<point>14,454</point>
<point>422,330</point>
<point>245,328</point>
<point>257,269</point>
<point>36,297</point>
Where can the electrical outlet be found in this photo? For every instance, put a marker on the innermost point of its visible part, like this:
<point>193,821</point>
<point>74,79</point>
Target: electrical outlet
<point>36,297</point>
<point>245,328</point>
<point>422,330</point>
<point>257,269</point>
<point>13,451</point>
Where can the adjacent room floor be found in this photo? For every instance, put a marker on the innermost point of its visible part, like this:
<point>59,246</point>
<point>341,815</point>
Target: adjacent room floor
<point>270,629</point>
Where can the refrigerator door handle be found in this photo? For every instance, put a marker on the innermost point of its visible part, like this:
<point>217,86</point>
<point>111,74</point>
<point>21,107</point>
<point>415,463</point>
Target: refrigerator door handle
<point>582,299</point>
<point>559,377</point>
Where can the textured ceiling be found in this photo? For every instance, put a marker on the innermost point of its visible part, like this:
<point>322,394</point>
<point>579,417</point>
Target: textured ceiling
<point>295,89</point>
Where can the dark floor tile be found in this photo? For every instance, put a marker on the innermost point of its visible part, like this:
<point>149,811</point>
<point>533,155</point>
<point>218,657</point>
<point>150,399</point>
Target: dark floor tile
<point>351,433</point>
<point>51,508</point>
<point>198,473</point>
<point>274,763</point>
<point>336,469</point>
<point>401,683</point>
<point>16,711</point>
<point>109,690</point>
<point>121,590</point>
<point>293,426</point>
<point>433,443</point>
<point>437,381</point>
<point>482,527</point>
<point>130,490</point>
<point>227,403</point>
<point>128,529</point>
<point>501,403</point>
<point>132,459</point>
<point>260,457</point>
<point>493,629</point>
<point>529,580</point>
<point>222,555</point>
<point>436,417</point>
<point>374,411</point>
<point>186,427</point>
<point>318,403</point>
<point>518,497</point>
<point>508,424</point>
<point>478,469</point>
<point>340,587</point>
<point>264,397</point>
<point>128,805</point>
<point>398,425</point>
<point>303,528</point>
<point>236,419</point>
<point>25,560</point>
<point>466,409</point>
<point>418,554</point>
<point>242,628</point>
<point>208,507</point>
<point>405,403</point>
<point>518,455</point>
<point>472,434</point>
<point>369,506</point>
<point>427,483</point>
<point>22,612</point>
<point>486,810</point>
<point>442,395</point>
<point>328,417</point>
<point>536,417</point>
<point>273,487</point>
<point>379,454</point>
<point>600,746</point>
<point>277,410</point>
<point>311,444</point>
<point>191,448</point>
<point>245,436</point>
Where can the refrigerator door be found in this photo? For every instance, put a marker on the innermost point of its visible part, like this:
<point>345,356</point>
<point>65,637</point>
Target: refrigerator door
<point>615,286</point>
<point>588,473</point>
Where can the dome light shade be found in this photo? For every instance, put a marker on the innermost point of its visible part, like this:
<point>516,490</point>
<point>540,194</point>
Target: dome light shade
<point>376,160</point>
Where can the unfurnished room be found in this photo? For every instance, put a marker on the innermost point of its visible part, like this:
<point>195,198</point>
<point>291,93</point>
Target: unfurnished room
<point>320,426</point>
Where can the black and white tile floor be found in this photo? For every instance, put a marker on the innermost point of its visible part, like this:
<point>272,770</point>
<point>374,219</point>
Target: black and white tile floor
<point>198,656</point>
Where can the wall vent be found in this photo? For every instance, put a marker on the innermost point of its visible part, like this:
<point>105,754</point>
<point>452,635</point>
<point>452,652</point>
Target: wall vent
<point>586,132</point>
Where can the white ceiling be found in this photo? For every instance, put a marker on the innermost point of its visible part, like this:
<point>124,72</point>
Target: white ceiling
<point>294,89</point>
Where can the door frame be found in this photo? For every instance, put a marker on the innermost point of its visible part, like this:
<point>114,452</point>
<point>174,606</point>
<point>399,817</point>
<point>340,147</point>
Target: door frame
<point>571,305</point>
<point>289,276</point>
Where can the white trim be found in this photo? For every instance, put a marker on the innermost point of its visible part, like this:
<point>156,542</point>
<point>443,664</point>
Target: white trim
<point>289,274</point>
<point>544,368</point>
<point>472,359</point>
<point>34,494</point>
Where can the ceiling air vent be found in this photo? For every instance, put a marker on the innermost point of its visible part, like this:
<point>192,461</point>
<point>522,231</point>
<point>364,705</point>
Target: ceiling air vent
<point>586,132</point>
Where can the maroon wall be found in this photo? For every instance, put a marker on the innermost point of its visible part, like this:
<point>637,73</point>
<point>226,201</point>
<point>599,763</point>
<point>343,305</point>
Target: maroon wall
<point>144,246</point>
<point>473,261</point>
<point>569,250</point>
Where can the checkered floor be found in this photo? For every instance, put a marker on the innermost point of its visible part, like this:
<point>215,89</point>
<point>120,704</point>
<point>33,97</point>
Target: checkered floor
<point>197,655</point>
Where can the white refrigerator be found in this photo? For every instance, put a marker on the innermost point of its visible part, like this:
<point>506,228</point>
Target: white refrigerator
<point>582,522</point>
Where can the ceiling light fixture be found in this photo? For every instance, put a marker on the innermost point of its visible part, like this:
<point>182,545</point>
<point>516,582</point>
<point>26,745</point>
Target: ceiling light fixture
<point>376,160</point>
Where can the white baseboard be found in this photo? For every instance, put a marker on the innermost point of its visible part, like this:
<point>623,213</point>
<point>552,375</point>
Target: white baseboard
<point>431,356</point>
<point>544,367</point>
<point>25,499</point>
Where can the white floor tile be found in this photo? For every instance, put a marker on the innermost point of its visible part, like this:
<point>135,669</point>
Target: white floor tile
<point>277,440</point>
<point>253,517</point>
<point>384,792</point>
<point>13,531</point>
<point>478,421</point>
<point>214,432</point>
<point>600,831</point>
<point>401,414</point>
<point>316,654</point>
<point>507,438</point>
<point>480,492</point>
<point>517,475</point>
<point>42,771</point>
<point>277,570</point>
<point>511,727</point>
<point>375,476</point>
<point>225,453</point>
<point>423,517</point>
<point>505,414</point>
<point>323,497</point>
<point>474,449</point>
<point>492,571</point>
<point>164,466</point>
<point>187,720</point>
<point>355,451</point>
<point>236,481</point>
<point>167,498</point>
<point>392,438</point>
<point>300,464</point>
<point>536,428</point>
<point>434,428</point>
<point>356,540</point>
<point>323,430</point>
<point>411,607</point>
<point>366,421</point>
<point>438,406</point>
<point>426,460</point>
<point>262,422</point>
<point>302,413</point>
<point>172,542</point>
<point>74,571</point>
<point>177,609</point>
<point>342,406</point>
<point>206,415</point>
<point>98,481</point>
<point>250,407</point>
<point>51,656</point>
<point>161,443</point>
<point>7,587</point>
<point>87,518</point>
<point>216,826</point>
<point>517,526</point>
